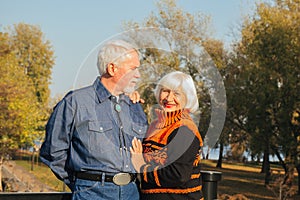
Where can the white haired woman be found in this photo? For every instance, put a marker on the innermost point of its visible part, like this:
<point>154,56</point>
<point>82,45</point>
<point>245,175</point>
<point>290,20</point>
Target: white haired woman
<point>168,158</point>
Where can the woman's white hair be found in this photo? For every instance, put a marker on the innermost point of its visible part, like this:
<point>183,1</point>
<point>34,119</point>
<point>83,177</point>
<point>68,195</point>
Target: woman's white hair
<point>113,51</point>
<point>179,81</point>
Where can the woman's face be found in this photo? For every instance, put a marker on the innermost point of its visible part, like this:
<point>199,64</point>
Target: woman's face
<point>171,100</point>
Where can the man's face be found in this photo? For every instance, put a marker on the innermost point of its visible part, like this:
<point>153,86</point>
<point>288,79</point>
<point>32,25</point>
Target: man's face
<point>128,74</point>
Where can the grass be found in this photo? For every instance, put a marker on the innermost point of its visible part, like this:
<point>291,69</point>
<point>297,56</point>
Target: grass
<point>43,173</point>
<point>237,178</point>
<point>246,179</point>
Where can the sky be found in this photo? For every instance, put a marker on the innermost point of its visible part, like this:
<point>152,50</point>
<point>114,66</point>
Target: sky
<point>75,27</point>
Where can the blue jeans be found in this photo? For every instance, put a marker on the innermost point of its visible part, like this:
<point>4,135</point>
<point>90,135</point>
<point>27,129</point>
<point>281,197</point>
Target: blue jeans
<point>97,190</point>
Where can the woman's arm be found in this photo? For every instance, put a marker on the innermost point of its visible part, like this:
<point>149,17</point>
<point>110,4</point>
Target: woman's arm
<point>182,151</point>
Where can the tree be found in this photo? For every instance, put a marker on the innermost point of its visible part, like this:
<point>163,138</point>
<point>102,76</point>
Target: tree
<point>184,36</point>
<point>270,50</point>
<point>36,58</point>
<point>25,69</point>
<point>236,132</point>
<point>18,113</point>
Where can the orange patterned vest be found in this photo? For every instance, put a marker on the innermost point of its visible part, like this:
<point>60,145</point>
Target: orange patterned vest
<point>160,129</point>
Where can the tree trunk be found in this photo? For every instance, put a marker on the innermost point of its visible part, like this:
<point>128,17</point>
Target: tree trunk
<point>207,153</point>
<point>289,175</point>
<point>219,163</point>
<point>1,165</point>
<point>281,161</point>
<point>32,160</point>
<point>266,165</point>
<point>298,171</point>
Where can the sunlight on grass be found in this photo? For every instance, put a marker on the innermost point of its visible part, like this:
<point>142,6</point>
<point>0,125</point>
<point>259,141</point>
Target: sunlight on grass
<point>43,173</point>
<point>241,166</point>
<point>242,180</point>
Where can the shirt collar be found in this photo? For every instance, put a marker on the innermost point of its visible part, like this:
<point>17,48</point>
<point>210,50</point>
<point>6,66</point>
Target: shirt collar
<point>103,94</point>
<point>126,99</point>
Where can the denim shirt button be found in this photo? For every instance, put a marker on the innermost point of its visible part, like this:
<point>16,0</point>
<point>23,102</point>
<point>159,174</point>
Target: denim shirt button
<point>101,128</point>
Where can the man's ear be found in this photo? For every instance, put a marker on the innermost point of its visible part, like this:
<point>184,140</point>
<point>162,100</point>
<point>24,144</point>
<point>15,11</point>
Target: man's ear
<point>111,69</point>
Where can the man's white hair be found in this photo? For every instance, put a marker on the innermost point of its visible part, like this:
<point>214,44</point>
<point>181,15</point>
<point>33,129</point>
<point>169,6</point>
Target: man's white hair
<point>113,51</point>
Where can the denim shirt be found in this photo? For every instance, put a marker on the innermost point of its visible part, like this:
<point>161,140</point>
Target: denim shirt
<point>86,133</point>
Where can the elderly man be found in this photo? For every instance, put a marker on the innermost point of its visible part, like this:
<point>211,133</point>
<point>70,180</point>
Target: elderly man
<point>89,133</point>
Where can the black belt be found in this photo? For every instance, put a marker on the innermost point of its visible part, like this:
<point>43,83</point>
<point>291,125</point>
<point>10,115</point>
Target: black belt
<point>118,179</point>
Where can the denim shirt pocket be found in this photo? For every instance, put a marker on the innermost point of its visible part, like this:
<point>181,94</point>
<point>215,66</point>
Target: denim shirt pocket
<point>139,130</point>
<point>102,137</point>
<point>100,126</point>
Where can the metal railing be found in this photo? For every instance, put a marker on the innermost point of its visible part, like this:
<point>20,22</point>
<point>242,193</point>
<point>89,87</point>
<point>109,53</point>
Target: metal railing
<point>35,196</point>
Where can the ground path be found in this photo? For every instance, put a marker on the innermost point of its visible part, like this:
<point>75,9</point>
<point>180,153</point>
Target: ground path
<point>20,180</point>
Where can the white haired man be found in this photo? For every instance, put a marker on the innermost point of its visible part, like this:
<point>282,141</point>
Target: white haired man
<point>90,130</point>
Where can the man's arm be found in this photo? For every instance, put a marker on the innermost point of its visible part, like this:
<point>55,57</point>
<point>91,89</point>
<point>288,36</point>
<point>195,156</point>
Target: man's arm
<point>54,150</point>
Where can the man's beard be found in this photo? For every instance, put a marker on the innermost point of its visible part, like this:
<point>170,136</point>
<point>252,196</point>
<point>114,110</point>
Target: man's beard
<point>129,89</point>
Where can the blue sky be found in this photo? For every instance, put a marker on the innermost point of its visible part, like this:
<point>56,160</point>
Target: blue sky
<point>75,27</point>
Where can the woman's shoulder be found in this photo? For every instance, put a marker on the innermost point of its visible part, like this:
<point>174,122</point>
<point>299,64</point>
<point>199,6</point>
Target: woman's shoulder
<point>185,132</point>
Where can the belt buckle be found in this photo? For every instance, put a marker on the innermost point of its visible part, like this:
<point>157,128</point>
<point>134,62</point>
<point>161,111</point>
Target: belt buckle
<point>122,178</point>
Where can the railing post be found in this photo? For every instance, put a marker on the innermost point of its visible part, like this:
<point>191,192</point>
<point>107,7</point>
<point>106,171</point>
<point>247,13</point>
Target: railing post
<point>210,184</point>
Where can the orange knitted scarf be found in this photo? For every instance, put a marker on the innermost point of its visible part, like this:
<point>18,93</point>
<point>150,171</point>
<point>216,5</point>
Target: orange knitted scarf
<point>167,122</point>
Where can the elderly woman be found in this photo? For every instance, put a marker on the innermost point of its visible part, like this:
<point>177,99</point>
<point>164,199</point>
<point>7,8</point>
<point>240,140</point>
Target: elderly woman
<point>168,158</point>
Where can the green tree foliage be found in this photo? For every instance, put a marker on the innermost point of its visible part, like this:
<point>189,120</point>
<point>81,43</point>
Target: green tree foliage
<point>35,56</point>
<point>25,68</point>
<point>267,77</point>
<point>19,114</point>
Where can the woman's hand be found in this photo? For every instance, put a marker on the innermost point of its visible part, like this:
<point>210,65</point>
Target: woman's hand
<point>136,151</point>
<point>136,97</point>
